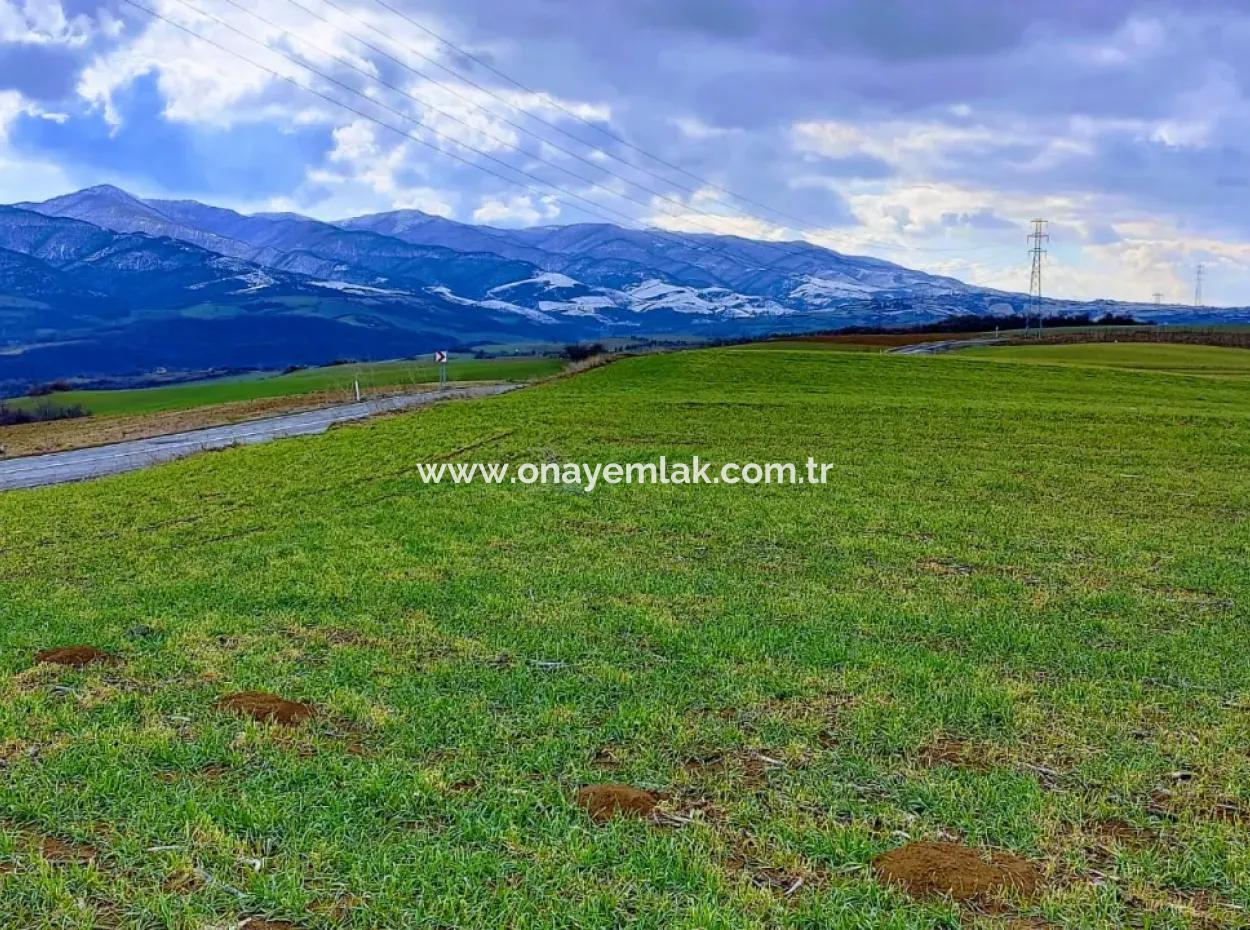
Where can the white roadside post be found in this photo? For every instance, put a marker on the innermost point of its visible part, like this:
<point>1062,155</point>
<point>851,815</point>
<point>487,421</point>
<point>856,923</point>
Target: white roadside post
<point>441,358</point>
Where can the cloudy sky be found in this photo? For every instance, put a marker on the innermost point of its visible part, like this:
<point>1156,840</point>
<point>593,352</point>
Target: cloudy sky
<point>928,132</point>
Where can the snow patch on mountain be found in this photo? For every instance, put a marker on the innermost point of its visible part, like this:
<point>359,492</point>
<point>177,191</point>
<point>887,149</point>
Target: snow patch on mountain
<point>530,314</point>
<point>362,290</point>
<point>588,306</point>
<point>655,294</point>
<point>551,280</point>
<point>816,288</point>
<point>255,281</point>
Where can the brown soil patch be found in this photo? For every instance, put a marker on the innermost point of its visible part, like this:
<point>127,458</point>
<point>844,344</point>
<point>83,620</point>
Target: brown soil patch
<point>930,869</point>
<point>340,637</point>
<point>261,923</point>
<point>603,802</point>
<point>267,708</point>
<point>752,767</point>
<point>60,852</point>
<point>1167,805</point>
<point>73,656</point>
<point>954,752</point>
<point>1229,812</point>
<point>1122,834</point>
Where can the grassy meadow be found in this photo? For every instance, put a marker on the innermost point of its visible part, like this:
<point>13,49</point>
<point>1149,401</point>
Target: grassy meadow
<point>371,375</point>
<point>1016,618</point>
<point>1159,357</point>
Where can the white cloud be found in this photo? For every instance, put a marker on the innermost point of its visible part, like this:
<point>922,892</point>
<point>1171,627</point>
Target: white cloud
<point>700,217</point>
<point>199,83</point>
<point>13,105</point>
<point>208,84</point>
<point>520,210</point>
<point>44,22</point>
<point>697,130</point>
<point>23,178</point>
<point>367,173</point>
<point>895,141</point>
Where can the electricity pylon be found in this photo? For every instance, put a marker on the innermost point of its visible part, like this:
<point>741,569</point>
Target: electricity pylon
<point>1037,250</point>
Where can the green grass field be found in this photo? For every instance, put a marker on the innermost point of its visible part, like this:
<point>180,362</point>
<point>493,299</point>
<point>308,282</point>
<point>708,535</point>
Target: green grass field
<point>334,378</point>
<point>1017,617</point>
<point>1163,357</point>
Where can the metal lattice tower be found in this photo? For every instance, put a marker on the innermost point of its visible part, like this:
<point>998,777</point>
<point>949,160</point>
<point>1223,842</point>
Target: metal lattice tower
<point>1199,274</point>
<point>1158,295</point>
<point>1037,249</point>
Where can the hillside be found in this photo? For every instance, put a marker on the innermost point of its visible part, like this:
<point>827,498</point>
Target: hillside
<point>1014,620</point>
<point>100,283</point>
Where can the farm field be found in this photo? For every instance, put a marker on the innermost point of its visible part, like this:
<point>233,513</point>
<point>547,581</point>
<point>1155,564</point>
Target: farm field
<point>117,416</point>
<point>1161,357</point>
<point>340,378</point>
<point>1015,620</point>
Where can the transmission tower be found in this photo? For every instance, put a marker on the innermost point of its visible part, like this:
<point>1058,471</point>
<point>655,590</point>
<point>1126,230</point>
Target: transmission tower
<point>1158,295</point>
<point>1037,249</point>
<point>1199,274</point>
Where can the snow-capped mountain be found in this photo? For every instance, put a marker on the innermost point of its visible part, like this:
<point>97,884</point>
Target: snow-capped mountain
<point>100,282</point>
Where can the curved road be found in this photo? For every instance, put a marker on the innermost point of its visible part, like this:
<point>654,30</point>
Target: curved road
<point>81,464</point>
<point>946,345</point>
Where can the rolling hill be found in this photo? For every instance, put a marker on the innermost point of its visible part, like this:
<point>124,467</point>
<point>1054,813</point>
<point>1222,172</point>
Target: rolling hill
<point>100,284</point>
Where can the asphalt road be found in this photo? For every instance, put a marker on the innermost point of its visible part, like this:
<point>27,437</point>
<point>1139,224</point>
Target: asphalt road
<point>82,464</point>
<point>948,345</point>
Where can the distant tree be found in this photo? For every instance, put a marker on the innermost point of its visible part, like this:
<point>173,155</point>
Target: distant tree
<point>976,323</point>
<point>49,387</point>
<point>41,412</point>
<point>580,351</point>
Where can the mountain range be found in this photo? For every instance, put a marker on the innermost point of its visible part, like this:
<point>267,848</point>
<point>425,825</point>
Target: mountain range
<point>100,284</point>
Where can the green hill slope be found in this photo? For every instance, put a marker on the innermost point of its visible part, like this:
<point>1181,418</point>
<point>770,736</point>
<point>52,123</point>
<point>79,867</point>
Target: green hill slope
<point>1016,616</point>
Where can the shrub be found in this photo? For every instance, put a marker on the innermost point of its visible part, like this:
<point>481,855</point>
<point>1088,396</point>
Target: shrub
<point>49,387</point>
<point>580,351</point>
<point>40,413</point>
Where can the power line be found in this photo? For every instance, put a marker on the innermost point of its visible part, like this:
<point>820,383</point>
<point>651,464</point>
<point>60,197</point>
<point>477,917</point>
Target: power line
<point>798,223</point>
<point>471,83</point>
<point>736,260</point>
<point>588,205</point>
<point>594,208</point>
<point>1038,238</point>
<point>512,123</point>
<point>494,138</point>
<point>417,121</point>
<point>562,108</point>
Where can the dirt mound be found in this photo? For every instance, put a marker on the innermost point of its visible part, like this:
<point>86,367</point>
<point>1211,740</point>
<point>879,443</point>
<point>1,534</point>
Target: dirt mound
<point>928,869</point>
<point>603,802</point>
<point>267,708</point>
<point>73,656</point>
